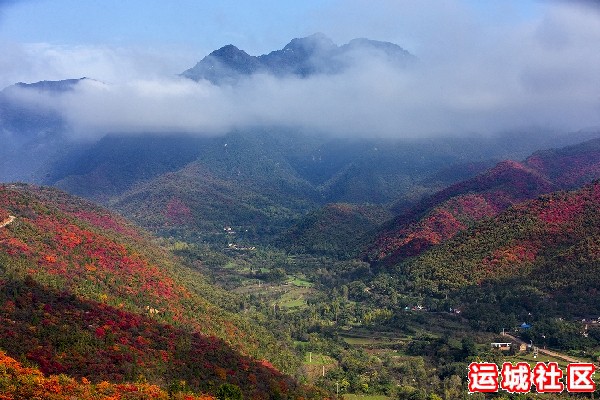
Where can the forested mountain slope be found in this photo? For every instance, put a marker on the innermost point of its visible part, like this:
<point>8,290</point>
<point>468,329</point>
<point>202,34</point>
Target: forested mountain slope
<point>86,293</point>
<point>337,230</point>
<point>535,260</point>
<point>451,210</point>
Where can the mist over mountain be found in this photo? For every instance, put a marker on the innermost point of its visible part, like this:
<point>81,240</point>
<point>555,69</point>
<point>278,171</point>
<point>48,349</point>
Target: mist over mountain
<point>48,86</point>
<point>32,134</point>
<point>472,81</point>
<point>310,124</point>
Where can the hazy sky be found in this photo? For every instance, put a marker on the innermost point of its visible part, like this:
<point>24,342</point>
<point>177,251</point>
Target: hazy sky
<point>183,31</point>
<point>485,65</point>
<point>257,26</point>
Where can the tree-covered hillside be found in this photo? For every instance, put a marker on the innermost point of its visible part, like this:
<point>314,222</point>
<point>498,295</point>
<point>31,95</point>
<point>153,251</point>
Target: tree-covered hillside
<point>337,230</point>
<point>536,260</point>
<point>457,207</point>
<point>86,293</point>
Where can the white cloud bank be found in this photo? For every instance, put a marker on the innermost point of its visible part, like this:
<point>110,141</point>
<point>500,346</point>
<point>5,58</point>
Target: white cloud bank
<point>475,78</point>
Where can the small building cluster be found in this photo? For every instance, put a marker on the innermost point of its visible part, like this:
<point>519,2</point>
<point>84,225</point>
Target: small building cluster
<point>507,346</point>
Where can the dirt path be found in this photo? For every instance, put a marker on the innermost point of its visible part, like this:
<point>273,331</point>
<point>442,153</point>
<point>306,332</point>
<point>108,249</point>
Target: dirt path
<point>7,221</point>
<point>558,355</point>
<point>544,351</point>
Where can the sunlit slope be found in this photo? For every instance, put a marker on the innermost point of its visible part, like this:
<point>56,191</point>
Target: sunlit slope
<point>81,286</point>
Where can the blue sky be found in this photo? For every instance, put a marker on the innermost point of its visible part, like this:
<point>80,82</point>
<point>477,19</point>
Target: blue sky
<point>201,24</point>
<point>174,35</point>
<point>257,26</point>
<point>485,65</point>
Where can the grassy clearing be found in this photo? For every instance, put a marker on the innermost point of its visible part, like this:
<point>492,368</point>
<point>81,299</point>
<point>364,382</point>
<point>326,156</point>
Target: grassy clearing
<point>317,359</point>
<point>359,341</point>
<point>297,303</point>
<point>296,281</point>
<point>372,341</point>
<point>365,397</point>
<point>289,298</point>
<point>294,298</point>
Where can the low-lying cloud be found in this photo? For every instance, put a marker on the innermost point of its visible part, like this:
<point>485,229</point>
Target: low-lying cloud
<point>538,73</point>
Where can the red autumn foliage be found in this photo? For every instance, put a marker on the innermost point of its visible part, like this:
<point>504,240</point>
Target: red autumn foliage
<point>451,210</point>
<point>177,212</point>
<point>14,246</point>
<point>120,346</point>
<point>489,193</point>
<point>542,253</point>
<point>88,330</point>
<point>29,383</point>
<point>441,224</point>
<point>569,167</point>
<point>504,260</point>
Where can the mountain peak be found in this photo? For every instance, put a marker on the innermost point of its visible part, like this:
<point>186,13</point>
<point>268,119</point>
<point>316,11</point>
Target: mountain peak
<point>315,42</point>
<point>224,65</point>
<point>228,51</point>
<point>310,55</point>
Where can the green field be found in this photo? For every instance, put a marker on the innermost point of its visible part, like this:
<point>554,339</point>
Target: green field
<point>361,341</point>
<point>296,281</point>
<point>294,303</point>
<point>365,397</point>
<point>294,297</point>
<point>317,359</point>
<point>371,341</point>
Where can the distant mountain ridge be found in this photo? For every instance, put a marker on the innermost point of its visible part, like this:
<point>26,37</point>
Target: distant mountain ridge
<point>49,86</point>
<point>314,54</point>
<point>32,137</point>
<point>258,182</point>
